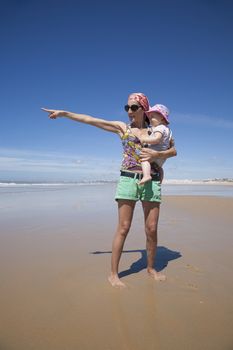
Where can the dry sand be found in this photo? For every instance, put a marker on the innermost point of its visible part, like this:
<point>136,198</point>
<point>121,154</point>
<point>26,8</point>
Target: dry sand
<point>54,261</point>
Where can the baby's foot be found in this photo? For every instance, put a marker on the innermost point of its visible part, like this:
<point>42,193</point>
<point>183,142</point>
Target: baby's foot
<point>158,276</point>
<point>115,281</point>
<point>144,180</point>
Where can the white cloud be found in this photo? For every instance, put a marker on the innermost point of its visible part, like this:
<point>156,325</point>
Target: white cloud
<point>29,161</point>
<point>208,167</point>
<point>199,119</point>
<point>28,164</point>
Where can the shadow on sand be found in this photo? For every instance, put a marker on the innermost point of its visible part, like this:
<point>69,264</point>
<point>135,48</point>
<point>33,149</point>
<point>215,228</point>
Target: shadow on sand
<point>163,256</point>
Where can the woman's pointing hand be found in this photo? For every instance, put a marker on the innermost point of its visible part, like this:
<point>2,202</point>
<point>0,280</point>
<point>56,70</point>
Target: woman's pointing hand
<point>53,113</point>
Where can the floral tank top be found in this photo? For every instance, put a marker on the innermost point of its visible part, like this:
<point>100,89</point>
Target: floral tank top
<point>131,151</point>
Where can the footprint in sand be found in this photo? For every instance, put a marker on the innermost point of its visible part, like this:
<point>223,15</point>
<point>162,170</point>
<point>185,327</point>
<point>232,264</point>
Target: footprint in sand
<point>193,268</point>
<point>192,286</point>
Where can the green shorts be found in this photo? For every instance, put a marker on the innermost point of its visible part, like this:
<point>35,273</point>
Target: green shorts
<point>128,188</point>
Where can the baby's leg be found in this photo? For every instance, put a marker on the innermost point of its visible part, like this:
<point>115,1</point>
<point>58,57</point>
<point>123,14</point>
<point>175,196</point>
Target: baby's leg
<point>146,170</point>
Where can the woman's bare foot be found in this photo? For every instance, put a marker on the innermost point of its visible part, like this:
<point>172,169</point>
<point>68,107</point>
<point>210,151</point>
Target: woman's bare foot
<point>115,281</point>
<point>156,275</point>
<point>144,180</point>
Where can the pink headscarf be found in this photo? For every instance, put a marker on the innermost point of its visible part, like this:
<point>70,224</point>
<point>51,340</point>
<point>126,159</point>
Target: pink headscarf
<point>141,99</point>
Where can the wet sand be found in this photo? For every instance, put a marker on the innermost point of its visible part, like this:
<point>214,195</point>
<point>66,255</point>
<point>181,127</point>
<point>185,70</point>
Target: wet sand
<point>55,250</point>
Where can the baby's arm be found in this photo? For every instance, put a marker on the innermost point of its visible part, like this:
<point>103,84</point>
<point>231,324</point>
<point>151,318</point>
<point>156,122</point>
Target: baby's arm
<point>152,140</point>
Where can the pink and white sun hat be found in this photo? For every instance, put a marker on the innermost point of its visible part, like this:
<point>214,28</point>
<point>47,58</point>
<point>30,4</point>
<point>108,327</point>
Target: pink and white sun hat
<point>163,110</point>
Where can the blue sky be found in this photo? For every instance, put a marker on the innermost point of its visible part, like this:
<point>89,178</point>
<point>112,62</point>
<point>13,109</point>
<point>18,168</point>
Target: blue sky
<point>87,56</point>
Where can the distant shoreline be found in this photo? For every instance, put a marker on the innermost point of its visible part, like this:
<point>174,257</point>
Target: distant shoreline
<point>199,182</point>
<point>12,183</point>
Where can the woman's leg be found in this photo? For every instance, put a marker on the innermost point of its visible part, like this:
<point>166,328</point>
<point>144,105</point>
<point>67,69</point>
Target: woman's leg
<point>125,213</point>
<point>151,215</point>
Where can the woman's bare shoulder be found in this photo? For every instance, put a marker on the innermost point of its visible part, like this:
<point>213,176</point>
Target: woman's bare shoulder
<point>122,127</point>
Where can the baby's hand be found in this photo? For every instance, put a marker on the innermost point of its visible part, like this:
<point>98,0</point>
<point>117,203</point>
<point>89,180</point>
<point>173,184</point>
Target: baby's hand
<point>142,139</point>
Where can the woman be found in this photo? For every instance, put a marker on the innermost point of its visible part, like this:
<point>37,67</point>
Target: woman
<point>128,189</point>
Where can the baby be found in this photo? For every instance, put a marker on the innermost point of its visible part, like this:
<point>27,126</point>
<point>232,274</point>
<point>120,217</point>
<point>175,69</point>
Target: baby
<point>159,139</point>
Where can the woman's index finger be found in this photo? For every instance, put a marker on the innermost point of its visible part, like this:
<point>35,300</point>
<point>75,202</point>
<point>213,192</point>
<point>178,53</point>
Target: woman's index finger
<point>47,110</point>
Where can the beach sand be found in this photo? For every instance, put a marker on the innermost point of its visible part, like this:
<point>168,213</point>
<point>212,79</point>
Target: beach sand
<point>55,249</point>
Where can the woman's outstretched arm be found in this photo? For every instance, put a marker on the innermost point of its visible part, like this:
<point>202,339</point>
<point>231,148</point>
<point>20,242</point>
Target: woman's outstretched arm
<point>112,126</point>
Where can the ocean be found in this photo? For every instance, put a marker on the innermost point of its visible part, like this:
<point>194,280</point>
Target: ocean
<point>171,188</point>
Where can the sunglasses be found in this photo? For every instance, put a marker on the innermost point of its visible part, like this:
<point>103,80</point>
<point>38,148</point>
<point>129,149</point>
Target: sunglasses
<point>133,108</point>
